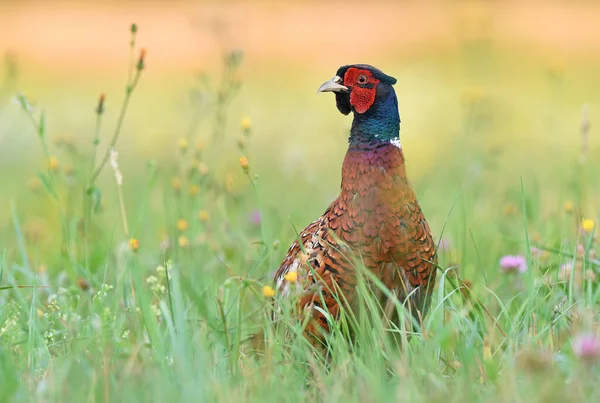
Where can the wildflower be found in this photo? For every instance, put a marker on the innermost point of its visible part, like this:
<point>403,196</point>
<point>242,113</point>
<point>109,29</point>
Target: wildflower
<point>183,144</point>
<point>291,277</point>
<point>588,225</point>
<point>510,209</point>
<point>586,347</point>
<point>176,184</point>
<point>513,264</point>
<point>203,215</point>
<point>53,163</point>
<point>246,123</point>
<point>569,206</point>
<point>183,241</point>
<point>200,145</point>
<point>194,189</point>
<point>254,217</point>
<point>134,244</point>
<point>564,271</point>
<point>34,184</point>
<point>268,292</point>
<point>244,164</point>
<point>182,224</point>
<point>69,169</point>
<point>229,182</point>
<point>445,245</point>
<point>202,168</point>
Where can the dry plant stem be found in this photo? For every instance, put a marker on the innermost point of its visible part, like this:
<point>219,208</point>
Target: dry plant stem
<point>123,212</point>
<point>130,88</point>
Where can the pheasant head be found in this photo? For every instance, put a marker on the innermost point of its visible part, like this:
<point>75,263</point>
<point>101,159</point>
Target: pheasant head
<point>368,92</point>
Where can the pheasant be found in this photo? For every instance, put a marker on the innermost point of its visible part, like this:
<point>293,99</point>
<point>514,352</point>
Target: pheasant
<point>376,219</point>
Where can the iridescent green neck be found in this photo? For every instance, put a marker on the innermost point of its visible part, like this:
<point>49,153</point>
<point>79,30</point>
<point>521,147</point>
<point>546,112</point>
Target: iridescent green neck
<point>381,123</point>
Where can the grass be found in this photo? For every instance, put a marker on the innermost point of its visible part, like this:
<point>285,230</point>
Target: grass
<point>151,290</point>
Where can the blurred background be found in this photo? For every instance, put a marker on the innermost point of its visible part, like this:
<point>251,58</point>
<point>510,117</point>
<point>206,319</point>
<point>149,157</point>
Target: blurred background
<point>489,92</point>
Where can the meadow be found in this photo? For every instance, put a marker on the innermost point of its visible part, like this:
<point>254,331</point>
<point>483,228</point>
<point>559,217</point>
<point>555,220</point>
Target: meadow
<point>145,208</point>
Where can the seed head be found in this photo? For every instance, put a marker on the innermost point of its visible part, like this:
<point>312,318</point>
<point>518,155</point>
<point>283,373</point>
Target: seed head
<point>100,107</point>
<point>140,64</point>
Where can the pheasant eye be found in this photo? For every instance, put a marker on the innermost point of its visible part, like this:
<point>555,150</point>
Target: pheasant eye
<point>362,79</point>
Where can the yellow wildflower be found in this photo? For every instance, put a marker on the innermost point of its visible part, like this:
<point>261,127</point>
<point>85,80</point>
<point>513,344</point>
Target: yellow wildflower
<point>183,144</point>
<point>291,277</point>
<point>182,224</point>
<point>183,241</point>
<point>53,163</point>
<point>69,169</point>
<point>34,184</point>
<point>588,224</point>
<point>246,123</point>
<point>229,182</point>
<point>510,209</point>
<point>569,206</point>
<point>194,189</point>
<point>202,168</point>
<point>134,244</point>
<point>176,183</point>
<point>244,164</point>
<point>203,215</point>
<point>268,292</point>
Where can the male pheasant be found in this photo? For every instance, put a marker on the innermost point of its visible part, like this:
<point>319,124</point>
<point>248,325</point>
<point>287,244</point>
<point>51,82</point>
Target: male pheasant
<point>375,221</point>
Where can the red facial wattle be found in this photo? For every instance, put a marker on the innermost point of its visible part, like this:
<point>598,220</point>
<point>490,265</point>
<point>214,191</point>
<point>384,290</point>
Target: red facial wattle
<point>363,93</point>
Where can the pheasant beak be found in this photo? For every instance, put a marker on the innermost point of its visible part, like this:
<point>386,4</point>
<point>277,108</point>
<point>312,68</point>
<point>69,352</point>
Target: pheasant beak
<point>333,85</point>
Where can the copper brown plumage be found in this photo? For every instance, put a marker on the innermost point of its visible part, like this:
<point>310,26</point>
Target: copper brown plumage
<point>376,220</point>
